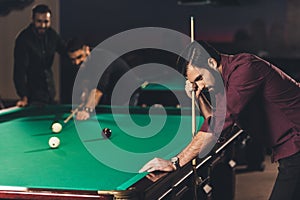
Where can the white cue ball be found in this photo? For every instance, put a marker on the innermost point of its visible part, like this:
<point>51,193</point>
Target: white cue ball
<point>56,127</point>
<point>54,142</point>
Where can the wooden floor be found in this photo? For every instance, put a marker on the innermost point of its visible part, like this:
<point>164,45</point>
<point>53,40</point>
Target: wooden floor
<point>256,185</point>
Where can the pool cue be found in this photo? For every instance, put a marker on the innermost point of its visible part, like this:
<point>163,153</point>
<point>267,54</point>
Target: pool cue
<point>8,109</point>
<point>73,113</point>
<point>193,91</point>
<point>144,84</point>
<point>197,179</point>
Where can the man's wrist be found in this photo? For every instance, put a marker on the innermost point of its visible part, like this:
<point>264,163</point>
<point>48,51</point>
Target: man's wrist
<point>175,162</point>
<point>88,109</point>
<point>24,99</point>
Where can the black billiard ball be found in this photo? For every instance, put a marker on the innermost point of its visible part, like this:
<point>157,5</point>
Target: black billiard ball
<point>106,132</point>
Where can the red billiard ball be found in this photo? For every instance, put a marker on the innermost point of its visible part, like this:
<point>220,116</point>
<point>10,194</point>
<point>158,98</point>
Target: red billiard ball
<point>106,132</point>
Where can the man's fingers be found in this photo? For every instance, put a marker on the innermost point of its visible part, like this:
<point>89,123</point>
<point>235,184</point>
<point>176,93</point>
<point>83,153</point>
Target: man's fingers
<point>145,168</point>
<point>194,87</point>
<point>82,115</point>
<point>188,86</point>
<point>150,166</point>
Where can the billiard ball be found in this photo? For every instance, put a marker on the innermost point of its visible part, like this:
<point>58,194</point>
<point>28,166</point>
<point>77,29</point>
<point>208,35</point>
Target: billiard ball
<point>106,132</point>
<point>56,127</point>
<point>54,142</point>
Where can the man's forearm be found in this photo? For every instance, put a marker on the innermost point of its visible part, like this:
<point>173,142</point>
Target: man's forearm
<point>200,145</point>
<point>94,98</point>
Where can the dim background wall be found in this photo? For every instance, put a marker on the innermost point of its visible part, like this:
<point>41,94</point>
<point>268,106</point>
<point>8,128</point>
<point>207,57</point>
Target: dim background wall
<point>269,28</point>
<point>10,25</point>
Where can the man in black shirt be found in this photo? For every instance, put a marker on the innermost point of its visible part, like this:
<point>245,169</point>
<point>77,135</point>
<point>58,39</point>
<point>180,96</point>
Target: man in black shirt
<point>97,90</point>
<point>34,51</point>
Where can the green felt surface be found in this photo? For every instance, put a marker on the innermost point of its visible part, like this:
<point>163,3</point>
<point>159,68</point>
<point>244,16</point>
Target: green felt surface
<point>172,85</point>
<point>27,161</point>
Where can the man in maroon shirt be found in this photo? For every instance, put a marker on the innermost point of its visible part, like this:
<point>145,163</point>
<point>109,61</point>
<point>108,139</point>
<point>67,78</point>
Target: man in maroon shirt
<point>258,97</point>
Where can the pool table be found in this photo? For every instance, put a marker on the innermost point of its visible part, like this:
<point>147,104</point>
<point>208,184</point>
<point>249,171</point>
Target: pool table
<point>87,165</point>
<point>168,95</point>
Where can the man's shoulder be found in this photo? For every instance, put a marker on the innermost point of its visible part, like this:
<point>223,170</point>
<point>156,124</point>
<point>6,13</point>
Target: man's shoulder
<point>52,33</point>
<point>24,33</point>
<point>245,63</point>
<point>243,59</point>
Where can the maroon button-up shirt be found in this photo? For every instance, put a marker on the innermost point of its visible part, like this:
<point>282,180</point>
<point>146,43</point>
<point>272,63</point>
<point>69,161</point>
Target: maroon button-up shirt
<point>262,100</point>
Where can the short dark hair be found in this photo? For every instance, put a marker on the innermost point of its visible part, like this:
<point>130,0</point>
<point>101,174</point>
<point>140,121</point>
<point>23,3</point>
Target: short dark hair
<point>198,53</point>
<point>74,44</point>
<point>41,8</point>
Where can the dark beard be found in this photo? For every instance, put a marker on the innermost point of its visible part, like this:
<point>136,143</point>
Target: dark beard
<point>41,31</point>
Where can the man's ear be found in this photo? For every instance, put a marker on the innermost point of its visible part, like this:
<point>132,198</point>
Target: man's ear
<point>86,49</point>
<point>212,63</point>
